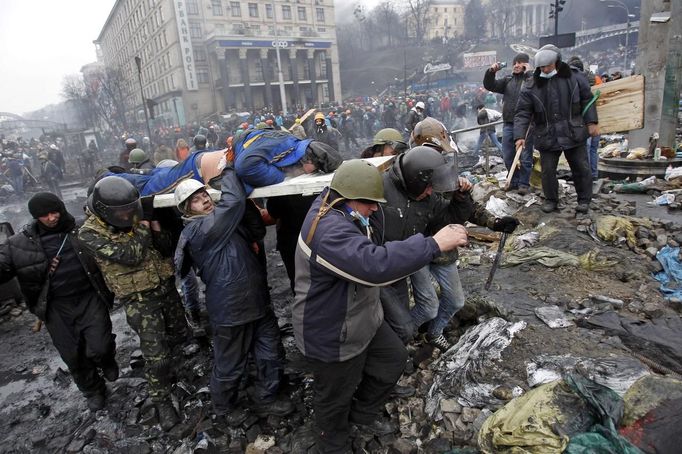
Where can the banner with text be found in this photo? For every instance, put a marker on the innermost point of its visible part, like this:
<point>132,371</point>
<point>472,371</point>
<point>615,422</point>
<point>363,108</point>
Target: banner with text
<point>187,54</point>
<point>479,59</point>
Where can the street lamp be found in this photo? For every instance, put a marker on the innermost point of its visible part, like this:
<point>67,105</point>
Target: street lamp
<point>619,4</point>
<point>138,62</point>
<point>280,77</point>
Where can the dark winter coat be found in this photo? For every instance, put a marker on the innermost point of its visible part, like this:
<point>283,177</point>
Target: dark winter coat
<point>23,256</point>
<point>216,244</point>
<point>337,311</point>
<point>556,105</point>
<point>406,216</point>
<point>510,86</point>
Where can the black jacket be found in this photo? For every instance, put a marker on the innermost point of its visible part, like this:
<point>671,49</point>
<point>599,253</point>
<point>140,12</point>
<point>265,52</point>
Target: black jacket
<point>405,216</point>
<point>22,255</point>
<point>510,86</point>
<point>556,105</point>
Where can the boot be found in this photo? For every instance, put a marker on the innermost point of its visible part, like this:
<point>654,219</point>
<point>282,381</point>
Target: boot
<point>548,206</point>
<point>168,418</point>
<point>277,407</point>
<point>379,426</point>
<point>96,402</point>
<point>194,321</point>
<point>110,371</point>
<point>233,418</point>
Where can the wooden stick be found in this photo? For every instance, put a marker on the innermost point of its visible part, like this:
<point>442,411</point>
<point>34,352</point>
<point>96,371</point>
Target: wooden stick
<point>514,165</point>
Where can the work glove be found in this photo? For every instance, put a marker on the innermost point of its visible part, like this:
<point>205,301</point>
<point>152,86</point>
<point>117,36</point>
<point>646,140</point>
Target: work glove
<point>506,224</point>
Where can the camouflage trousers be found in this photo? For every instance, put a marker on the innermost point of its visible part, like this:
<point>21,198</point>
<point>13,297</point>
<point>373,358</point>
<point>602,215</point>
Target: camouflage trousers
<point>158,318</point>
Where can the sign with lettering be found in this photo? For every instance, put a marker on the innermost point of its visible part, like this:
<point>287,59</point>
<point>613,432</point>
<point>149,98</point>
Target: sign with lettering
<point>479,59</point>
<point>281,43</point>
<point>186,52</point>
<point>429,68</point>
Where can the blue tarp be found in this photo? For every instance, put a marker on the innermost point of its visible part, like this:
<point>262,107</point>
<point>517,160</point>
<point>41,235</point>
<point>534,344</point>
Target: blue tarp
<point>671,276</point>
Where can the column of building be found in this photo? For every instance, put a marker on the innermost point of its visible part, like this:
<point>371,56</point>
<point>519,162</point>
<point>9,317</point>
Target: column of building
<point>311,74</point>
<point>246,78</point>
<point>265,69</point>
<point>293,64</point>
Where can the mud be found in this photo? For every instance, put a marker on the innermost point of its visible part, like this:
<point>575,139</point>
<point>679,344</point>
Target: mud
<point>42,411</point>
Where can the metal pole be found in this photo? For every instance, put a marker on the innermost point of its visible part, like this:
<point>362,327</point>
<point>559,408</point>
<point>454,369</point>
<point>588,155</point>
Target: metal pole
<point>556,20</point>
<point>282,92</point>
<point>138,62</point>
<point>405,71</point>
<point>627,41</point>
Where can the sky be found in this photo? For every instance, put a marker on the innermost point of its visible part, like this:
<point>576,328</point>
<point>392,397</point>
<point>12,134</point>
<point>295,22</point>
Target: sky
<point>41,41</point>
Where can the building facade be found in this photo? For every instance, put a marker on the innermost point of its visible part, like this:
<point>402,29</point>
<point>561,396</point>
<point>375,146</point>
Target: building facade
<point>446,19</point>
<point>199,58</point>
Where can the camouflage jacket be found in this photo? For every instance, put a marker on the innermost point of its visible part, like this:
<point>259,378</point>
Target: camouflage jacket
<point>132,267</point>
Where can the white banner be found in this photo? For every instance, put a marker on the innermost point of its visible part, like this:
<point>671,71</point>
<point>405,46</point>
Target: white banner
<point>479,59</point>
<point>429,68</point>
<point>186,52</point>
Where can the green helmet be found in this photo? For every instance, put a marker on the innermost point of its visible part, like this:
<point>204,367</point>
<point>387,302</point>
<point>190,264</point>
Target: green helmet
<point>357,179</point>
<point>137,155</point>
<point>387,135</point>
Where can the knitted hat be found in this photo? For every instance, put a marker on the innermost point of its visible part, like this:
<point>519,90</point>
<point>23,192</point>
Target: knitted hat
<point>43,203</point>
<point>521,57</point>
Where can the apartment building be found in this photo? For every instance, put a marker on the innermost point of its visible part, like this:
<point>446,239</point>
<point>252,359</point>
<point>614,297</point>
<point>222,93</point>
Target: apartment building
<point>202,57</point>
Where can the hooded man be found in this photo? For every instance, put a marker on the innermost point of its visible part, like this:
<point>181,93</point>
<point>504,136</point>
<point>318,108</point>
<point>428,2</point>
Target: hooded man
<point>63,287</point>
<point>323,133</point>
<point>414,116</point>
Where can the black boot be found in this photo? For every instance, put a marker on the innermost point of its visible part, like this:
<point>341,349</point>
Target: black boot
<point>96,401</point>
<point>277,407</point>
<point>168,418</point>
<point>194,321</point>
<point>110,370</point>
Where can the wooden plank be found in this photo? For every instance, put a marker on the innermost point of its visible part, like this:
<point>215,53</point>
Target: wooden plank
<point>308,184</point>
<point>620,106</point>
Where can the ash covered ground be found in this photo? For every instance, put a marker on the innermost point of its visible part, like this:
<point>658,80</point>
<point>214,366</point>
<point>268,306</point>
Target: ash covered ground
<point>42,411</point>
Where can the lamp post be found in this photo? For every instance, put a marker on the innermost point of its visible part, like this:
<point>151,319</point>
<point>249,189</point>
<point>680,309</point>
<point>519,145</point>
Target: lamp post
<point>277,44</point>
<point>138,62</point>
<point>619,4</point>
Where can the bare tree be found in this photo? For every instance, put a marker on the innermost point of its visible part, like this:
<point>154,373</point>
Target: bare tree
<point>99,98</point>
<point>474,27</point>
<point>503,18</point>
<point>388,22</point>
<point>417,15</point>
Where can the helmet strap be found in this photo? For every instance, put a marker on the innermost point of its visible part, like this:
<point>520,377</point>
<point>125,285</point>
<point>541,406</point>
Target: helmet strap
<point>324,209</point>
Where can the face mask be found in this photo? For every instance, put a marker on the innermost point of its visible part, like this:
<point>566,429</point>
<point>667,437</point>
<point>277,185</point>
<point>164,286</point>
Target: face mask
<point>548,75</point>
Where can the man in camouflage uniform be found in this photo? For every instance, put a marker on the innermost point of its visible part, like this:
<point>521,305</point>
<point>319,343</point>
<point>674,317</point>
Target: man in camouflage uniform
<point>129,253</point>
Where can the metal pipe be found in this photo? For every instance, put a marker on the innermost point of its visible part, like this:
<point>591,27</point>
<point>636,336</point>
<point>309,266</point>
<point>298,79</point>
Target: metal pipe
<point>474,128</point>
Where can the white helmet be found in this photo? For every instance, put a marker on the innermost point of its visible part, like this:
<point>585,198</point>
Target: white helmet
<point>419,105</point>
<point>185,190</point>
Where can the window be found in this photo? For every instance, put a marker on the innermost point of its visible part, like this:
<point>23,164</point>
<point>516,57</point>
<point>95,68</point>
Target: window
<point>202,76</point>
<point>268,11</point>
<point>195,30</point>
<point>199,55</point>
<point>286,12</point>
<point>192,8</point>
<point>235,9</point>
<point>217,7</point>
<point>253,9</point>
<point>320,14</point>
<point>301,13</point>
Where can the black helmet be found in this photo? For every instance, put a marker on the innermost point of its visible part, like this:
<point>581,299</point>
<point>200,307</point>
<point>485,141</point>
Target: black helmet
<point>421,166</point>
<point>200,141</point>
<point>116,201</point>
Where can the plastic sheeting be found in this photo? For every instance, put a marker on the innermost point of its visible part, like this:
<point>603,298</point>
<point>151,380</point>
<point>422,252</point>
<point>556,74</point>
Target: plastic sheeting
<point>648,393</point>
<point>554,258</point>
<point>658,432</point>
<point>464,370</point>
<point>539,422</point>
<point>658,339</point>
<point>618,373</point>
<point>671,276</point>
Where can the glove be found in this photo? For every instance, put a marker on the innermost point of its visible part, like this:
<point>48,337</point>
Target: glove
<point>506,224</point>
